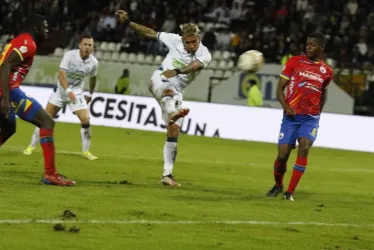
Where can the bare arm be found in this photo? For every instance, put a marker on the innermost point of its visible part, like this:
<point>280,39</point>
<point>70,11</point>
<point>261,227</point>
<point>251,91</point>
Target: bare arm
<point>192,67</point>
<point>323,99</point>
<point>143,30</point>
<point>92,84</point>
<point>63,79</point>
<point>282,84</point>
<point>5,69</point>
<point>65,84</point>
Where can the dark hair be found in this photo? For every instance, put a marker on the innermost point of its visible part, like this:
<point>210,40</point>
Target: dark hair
<point>319,37</point>
<point>85,36</point>
<point>34,20</point>
<point>252,82</point>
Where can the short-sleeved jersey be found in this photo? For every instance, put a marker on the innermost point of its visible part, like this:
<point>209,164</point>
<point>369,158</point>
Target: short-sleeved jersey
<point>24,45</point>
<point>76,70</point>
<point>178,57</point>
<point>307,79</point>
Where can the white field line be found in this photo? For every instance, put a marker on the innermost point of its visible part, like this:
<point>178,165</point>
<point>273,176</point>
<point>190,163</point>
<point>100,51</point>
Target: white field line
<point>188,222</point>
<point>267,165</point>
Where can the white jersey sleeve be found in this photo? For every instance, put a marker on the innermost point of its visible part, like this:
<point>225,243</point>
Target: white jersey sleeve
<point>65,61</point>
<point>169,39</point>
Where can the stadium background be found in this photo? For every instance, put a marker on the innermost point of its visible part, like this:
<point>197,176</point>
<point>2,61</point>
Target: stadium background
<point>277,28</point>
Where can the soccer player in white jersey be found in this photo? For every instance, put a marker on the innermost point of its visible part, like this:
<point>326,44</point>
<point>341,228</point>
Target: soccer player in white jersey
<point>74,67</point>
<point>186,57</point>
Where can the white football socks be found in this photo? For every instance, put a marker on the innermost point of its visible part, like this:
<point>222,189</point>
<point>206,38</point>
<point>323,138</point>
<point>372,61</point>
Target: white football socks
<point>35,137</point>
<point>86,137</point>
<point>170,154</point>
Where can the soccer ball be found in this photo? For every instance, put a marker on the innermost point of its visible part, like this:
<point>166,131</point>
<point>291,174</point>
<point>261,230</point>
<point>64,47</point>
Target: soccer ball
<point>251,61</point>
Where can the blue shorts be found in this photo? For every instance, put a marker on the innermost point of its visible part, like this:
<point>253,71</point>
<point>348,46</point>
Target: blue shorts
<point>25,107</point>
<point>298,126</point>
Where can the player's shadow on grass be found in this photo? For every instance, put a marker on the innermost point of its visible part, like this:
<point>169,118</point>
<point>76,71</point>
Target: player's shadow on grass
<point>18,173</point>
<point>105,183</point>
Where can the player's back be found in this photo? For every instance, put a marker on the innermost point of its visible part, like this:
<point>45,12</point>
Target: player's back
<point>307,79</point>
<point>24,45</point>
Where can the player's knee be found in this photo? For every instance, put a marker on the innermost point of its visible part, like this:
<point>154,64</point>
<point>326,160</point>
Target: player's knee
<point>167,93</point>
<point>52,110</point>
<point>85,120</point>
<point>48,122</point>
<point>303,150</point>
<point>304,147</point>
<point>282,159</point>
<point>173,130</point>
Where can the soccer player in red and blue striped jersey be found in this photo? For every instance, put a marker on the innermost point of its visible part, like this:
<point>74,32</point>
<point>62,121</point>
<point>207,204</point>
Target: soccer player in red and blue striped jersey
<point>15,62</point>
<point>306,78</point>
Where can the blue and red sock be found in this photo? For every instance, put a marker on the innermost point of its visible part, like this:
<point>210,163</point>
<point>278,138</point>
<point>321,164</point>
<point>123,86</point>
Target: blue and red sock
<point>297,173</point>
<point>279,171</point>
<point>48,146</point>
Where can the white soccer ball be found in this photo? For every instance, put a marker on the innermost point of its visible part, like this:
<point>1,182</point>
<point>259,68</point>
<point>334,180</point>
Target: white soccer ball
<point>251,61</point>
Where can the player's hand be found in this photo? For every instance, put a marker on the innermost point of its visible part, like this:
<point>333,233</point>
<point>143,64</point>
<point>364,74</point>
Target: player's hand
<point>289,111</point>
<point>122,15</point>
<point>72,97</point>
<point>88,98</point>
<point>5,106</point>
<point>169,73</point>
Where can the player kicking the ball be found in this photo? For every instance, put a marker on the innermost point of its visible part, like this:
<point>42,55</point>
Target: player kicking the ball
<point>306,78</point>
<point>15,63</point>
<point>186,57</point>
<point>74,67</point>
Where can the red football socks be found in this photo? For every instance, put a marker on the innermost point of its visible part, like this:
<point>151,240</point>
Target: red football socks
<point>298,171</point>
<point>47,143</point>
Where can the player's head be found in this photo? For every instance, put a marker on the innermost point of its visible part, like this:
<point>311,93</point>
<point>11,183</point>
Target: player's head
<point>38,26</point>
<point>86,45</point>
<point>125,73</point>
<point>190,37</point>
<point>315,44</point>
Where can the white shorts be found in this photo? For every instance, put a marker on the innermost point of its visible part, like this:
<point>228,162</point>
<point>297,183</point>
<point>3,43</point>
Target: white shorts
<point>157,86</point>
<point>59,100</point>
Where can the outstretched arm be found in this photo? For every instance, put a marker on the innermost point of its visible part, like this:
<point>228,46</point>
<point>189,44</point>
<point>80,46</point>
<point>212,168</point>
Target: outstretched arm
<point>143,30</point>
<point>192,67</point>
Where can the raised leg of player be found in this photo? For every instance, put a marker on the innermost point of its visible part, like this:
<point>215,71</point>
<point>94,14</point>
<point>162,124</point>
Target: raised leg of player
<point>83,116</point>
<point>170,102</point>
<point>52,110</point>
<point>165,94</point>
<point>301,162</point>
<point>280,168</point>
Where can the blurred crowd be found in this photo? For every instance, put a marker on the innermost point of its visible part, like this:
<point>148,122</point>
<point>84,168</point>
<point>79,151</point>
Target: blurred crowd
<point>276,27</point>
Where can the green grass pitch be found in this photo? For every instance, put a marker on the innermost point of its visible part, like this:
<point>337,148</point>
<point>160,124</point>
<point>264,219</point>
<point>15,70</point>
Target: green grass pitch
<point>119,203</point>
